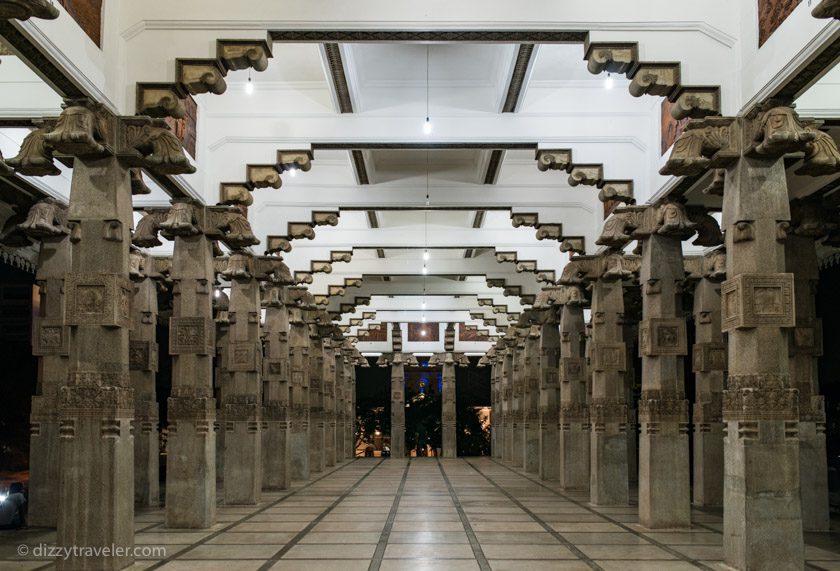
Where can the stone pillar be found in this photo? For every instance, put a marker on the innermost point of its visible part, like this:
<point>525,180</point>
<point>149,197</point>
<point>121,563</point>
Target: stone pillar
<point>494,402</point>
<point>276,457</point>
<point>221,305</point>
<point>317,428</point>
<point>448,411</point>
<point>398,403</point>
<point>340,404</point>
<point>805,347</point>
<point>531,401</point>
<point>96,496</point>
<point>329,396</point>
<point>353,428</point>
<point>143,366</point>
<point>299,389</point>
<point>506,432</point>
<point>709,365</point>
<point>574,411</point>
<point>608,481</point>
<point>242,397</point>
<point>664,486</point>
<point>517,416</point>
<point>762,525</point>
<point>47,222</point>
<point>550,462</point>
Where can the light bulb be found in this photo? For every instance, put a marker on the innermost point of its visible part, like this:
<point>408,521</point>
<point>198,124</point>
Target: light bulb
<point>423,319</point>
<point>425,270</point>
<point>427,126</point>
<point>423,331</point>
<point>423,305</point>
<point>426,255</point>
<point>218,293</point>
<point>609,82</point>
<point>249,87</point>
<point>293,172</point>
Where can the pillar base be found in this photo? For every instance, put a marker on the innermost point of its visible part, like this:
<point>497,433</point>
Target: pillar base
<point>146,463</point>
<point>397,440</point>
<point>549,448</point>
<point>664,488</point>
<point>608,481</point>
<point>574,457</point>
<point>317,438</point>
<point>762,523</point>
<point>813,476</point>
<point>708,465</point>
<point>276,456</point>
<point>449,441</point>
<point>190,474</point>
<point>243,462</point>
<point>531,449</point>
<point>44,474</point>
<point>96,508</point>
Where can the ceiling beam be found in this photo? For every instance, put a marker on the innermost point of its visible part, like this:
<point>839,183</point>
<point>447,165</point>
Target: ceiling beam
<point>338,79</point>
<point>518,77</point>
<point>425,36</point>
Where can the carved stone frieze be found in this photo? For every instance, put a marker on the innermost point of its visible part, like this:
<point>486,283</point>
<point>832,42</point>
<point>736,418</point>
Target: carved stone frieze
<point>611,57</point>
<point>243,54</point>
<point>94,393</point>
<point>35,156</point>
<point>588,175</point>
<point>654,79</point>
<point>760,397</point>
<point>46,218</point>
<point>711,142</point>
<point>25,9</point>
<point>161,100</point>
<point>827,9</point>
<point>201,76</point>
<point>753,300</point>
<point>662,406</point>
<point>556,159</point>
<point>603,411</point>
<point>695,102</point>
<point>618,190</point>
<point>235,193</point>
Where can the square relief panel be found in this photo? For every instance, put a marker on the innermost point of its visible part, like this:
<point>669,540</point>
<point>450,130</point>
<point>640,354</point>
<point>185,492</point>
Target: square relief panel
<point>571,369</point>
<point>191,336</point>
<point>660,336</point>
<point>709,357</point>
<point>609,357</point>
<point>754,300</point>
<point>242,357</point>
<point>49,337</point>
<point>98,299</point>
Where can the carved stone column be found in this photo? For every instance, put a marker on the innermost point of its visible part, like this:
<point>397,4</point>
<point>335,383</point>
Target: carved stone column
<point>531,401</point>
<point>574,411</point>
<point>143,366</point>
<point>448,361</point>
<point>549,468</point>
<point>242,398</point>
<point>340,404</point>
<point>762,519</point>
<point>96,507</point>
<point>397,396</point>
<point>664,487</point>
<point>47,222</point>
<point>709,365</point>
<point>299,388</point>
<point>608,411</point>
<point>805,347</point>
<point>506,433</point>
<point>317,428</point>
<point>329,395</point>
<point>517,409</point>
<point>276,456</point>
<point>353,427</point>
<point>221,305</point>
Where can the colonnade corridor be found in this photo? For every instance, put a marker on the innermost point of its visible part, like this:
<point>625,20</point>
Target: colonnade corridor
<point>426,513</point>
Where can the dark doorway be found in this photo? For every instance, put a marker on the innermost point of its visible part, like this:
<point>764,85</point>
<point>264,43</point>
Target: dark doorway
<point>472,404</point>
<point>423,387</point>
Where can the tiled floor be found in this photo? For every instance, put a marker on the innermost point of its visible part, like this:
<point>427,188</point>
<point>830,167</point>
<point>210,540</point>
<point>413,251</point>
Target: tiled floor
<point>453,515</point>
